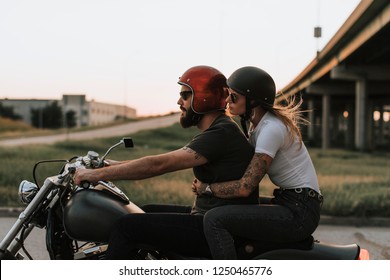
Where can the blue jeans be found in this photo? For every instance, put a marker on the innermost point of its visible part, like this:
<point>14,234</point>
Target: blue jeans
<point>288,217</point>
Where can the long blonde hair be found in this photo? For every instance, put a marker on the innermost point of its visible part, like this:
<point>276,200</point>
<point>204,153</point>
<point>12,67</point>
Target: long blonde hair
<point>290,113</point>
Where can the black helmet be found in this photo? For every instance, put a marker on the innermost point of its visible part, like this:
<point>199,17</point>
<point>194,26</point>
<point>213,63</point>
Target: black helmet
<point>255,84</point>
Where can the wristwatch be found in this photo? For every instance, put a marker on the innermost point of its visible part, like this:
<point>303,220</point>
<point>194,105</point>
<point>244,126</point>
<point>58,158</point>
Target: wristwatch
<point>208,190</point>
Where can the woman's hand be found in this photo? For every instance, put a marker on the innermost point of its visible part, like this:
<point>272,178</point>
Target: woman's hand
<point>198,187</point>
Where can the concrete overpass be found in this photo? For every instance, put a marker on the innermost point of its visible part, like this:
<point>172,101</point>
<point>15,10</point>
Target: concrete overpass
<point>346,87</point>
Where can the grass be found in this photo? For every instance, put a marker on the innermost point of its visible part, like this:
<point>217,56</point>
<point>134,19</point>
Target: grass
<point>9,128</point>
<point>353,183</point>
<point>18,164</point>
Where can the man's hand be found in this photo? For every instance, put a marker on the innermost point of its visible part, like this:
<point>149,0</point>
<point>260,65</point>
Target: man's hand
<point>110,162</point>
<point>198,187</point>
<point>82,175</point>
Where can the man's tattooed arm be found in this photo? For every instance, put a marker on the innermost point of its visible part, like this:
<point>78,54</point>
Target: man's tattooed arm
<point>191,151</point>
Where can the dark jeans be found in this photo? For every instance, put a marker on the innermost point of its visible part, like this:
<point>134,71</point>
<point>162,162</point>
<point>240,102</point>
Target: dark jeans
<point>168,228</point>
<point>288,217</point>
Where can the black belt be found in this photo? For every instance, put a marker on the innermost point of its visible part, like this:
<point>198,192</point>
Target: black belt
<point>308,191</point>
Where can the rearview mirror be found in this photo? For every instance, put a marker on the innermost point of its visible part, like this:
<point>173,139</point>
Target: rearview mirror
<point>128,142</point>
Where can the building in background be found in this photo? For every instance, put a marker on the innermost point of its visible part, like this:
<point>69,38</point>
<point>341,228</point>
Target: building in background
<point>101,113</point>
<point>87,113</point>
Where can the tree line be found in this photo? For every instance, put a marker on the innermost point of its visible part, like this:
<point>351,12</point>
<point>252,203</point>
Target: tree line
<point>50,117</point>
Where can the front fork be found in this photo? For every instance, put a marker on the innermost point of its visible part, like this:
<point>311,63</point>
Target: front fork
<point>11,244</point>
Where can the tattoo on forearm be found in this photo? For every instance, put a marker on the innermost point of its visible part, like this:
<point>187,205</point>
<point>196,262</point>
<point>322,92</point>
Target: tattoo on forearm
<point>248,183</point>
<point>255,172</point>
<point>229,189</point>
<point>191,151</point>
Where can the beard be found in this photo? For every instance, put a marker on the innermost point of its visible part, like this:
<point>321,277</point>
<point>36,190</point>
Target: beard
<point>190,119</point>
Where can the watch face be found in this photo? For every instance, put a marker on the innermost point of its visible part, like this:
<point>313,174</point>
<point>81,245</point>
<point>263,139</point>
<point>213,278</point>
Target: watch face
<point>208,190</point>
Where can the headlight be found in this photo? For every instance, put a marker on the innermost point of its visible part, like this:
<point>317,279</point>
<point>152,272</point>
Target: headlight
<point>27,191</point>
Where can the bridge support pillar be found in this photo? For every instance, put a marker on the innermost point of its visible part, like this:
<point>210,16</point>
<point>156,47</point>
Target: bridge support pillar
<point>350,132</point>
<point>360,78</point>
<point>325,121</point>
<point>360,114</point>
<point>381,126</point>
<point>311,117</point>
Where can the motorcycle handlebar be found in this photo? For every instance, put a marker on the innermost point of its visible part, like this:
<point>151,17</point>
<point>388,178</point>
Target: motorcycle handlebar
<point>92,159</point>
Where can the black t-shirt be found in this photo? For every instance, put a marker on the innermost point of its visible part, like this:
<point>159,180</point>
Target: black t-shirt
<point>228,153</point>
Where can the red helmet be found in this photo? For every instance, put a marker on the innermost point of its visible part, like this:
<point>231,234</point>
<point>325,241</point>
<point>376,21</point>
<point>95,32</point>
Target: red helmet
<point>208,86</point>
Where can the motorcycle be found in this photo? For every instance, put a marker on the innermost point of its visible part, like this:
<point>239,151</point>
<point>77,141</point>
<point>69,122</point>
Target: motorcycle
<point>78,221</point>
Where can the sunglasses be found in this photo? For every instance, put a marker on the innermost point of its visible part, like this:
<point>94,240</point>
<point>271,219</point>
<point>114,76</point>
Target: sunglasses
<point>233,97</point>
<point>185,94</point>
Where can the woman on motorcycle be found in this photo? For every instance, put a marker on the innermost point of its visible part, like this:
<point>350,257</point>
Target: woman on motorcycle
<point>293,213</point>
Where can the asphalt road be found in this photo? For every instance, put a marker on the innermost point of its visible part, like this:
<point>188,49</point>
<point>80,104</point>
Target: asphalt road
<point>374,239</point>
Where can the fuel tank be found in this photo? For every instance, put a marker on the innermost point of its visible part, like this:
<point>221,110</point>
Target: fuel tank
<point>90,215</point>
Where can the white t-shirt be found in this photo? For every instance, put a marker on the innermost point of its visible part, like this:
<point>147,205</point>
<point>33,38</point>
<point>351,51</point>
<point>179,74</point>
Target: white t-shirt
<point>291,165</point>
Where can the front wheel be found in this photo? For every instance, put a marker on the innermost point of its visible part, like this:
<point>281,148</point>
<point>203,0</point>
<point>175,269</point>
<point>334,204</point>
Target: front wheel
<point>58,243</point>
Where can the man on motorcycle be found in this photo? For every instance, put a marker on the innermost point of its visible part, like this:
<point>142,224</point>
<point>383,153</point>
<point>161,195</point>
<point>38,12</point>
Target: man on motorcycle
<point>218,148</point>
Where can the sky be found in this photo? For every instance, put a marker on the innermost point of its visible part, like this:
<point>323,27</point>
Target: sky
<point>132,52</point>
